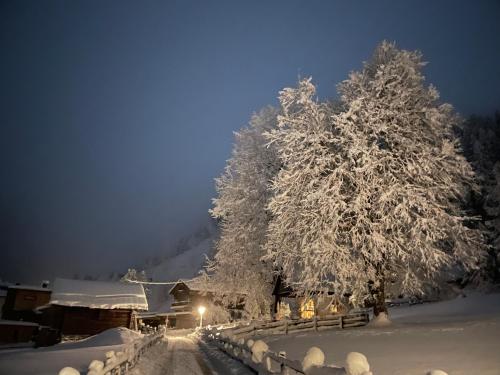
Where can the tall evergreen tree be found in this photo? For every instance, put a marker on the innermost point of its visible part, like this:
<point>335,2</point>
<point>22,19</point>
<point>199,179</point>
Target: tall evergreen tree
<point>481,139</point>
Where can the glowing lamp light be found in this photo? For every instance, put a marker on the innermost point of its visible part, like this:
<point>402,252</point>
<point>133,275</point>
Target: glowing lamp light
<point>201,311</point>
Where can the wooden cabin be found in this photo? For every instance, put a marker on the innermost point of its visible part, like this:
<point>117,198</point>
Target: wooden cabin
<point>287,304</point>
<point>14,331</point>
<point>22,301</point>
<point>187,295</point>
<point>81,307</point>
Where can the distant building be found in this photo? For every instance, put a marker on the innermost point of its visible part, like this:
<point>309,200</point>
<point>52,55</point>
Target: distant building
<point>288,304</point>
<point>22,301</point>
<point>81,307</point>
<point>188,296</point>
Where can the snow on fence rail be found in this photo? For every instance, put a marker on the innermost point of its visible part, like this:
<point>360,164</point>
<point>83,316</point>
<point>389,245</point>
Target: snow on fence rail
<point>120,363</point>
<point>287,326</point>
<point>260,359</point>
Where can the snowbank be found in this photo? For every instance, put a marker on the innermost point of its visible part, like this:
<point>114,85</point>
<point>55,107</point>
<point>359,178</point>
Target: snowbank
<point>382,320</point>
<point>50,360</point>
<point>113,336</point>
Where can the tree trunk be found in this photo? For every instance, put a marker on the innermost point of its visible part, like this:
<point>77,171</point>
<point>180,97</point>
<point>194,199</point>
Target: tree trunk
<point>379,297</point>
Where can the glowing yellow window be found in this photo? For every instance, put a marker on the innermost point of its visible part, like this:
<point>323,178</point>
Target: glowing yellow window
<point>307,309</point>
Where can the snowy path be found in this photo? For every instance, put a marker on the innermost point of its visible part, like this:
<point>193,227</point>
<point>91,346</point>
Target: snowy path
<point>186,356</point>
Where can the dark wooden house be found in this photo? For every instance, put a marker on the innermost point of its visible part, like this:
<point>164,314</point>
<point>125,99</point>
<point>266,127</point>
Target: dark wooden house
<point>81,307</point>
<point>188,296</point>
<point>22,301</point>
<point>13,331</point>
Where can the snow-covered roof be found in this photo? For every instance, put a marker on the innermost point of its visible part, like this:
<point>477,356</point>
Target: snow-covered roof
<point>98,294</point>
<point>30,287</point>
<point>197,284</point>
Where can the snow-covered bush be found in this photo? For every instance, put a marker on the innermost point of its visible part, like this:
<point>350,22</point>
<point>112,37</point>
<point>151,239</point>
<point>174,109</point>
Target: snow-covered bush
<point>258,350</point>
<point>250,343</point>
<point>313,357</point>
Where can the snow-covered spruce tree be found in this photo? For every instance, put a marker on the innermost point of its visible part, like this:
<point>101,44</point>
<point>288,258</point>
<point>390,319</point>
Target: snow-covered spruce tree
<point>373,201</point>
<point>481,140</point>
<point>243,194</point>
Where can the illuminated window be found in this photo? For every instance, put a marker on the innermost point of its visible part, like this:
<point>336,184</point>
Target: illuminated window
<point>307,309</point>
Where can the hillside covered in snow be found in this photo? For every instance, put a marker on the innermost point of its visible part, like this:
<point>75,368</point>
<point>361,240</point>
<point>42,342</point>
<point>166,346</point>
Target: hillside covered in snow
<point>188,258</point>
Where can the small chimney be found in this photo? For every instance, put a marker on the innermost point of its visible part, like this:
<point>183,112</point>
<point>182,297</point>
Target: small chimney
<point>45,283</point>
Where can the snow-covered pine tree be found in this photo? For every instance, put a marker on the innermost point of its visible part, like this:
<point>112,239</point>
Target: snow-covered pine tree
<point>481,140</point>
<point>243,194</point>
<point>374,202</point>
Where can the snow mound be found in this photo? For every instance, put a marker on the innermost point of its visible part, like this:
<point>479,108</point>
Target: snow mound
<point>381,320</point>
<point>357,364</point>
<point>96,365</point>
<point>436,372</point>
<point>258,350</point>
<point>69,371</point>
<point>314,357</point>
<point>113,336</point>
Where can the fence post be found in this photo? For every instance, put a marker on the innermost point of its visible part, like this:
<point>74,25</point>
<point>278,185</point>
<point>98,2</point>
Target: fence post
<point>286,326</point>
<point>315,322</point>
<point>341,321</point>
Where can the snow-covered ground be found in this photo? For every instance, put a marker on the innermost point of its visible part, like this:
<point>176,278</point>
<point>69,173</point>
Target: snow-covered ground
<point>181,353</point>
<point>460,336</point>
<point>78,354</point>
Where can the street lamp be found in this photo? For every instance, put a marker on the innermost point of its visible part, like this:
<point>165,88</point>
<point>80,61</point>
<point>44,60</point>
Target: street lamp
<point>201,311</point>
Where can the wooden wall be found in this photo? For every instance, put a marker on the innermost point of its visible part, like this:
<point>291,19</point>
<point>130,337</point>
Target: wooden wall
<point>14,333</point>
<point>20,303</point>
<point>85,321</point>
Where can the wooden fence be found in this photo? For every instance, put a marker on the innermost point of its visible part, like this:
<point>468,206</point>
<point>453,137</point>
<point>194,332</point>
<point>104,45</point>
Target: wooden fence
<point>272,363</point>
<point>290,326</point>
<point>233,340</point>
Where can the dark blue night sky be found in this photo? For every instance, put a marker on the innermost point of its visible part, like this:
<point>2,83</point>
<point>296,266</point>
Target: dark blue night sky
<point>115,116</point>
